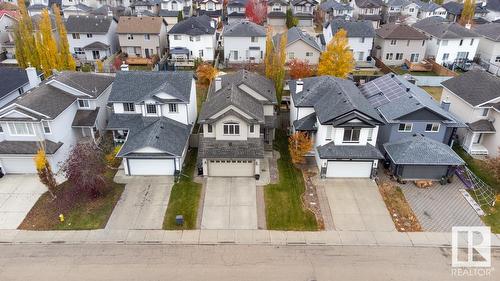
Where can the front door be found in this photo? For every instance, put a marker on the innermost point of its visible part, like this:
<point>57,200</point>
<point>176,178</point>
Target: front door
<point>147,52</point>
<point>95,55</point>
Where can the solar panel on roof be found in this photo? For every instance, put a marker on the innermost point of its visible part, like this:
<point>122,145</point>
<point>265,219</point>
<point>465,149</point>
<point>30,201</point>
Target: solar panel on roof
<point>383,90</point>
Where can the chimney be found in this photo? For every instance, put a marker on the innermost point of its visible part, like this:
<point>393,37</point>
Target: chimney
<point>33,78</point>
<point>218,83</point>
<point>212,23</point>
<point>299,86</point>
<point>445,104</point>
<point>468,26</point>
<point>124,66</point>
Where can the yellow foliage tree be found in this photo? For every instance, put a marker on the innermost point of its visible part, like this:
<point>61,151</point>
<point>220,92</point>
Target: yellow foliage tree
<point>299,145</point>
<point>47,50</point>
<point>44,171</point>
<point>100,66</point>
<point>468,12</point>
<point>206,72</point>
<point>279,65</point>
<point>66,60</point>
<point>25,39</point>
<point>337,60</point>
<point>268,59</point>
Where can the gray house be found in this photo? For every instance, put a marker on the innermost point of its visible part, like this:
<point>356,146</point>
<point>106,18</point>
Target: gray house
<point>414,123</point>
<point>300,45</point>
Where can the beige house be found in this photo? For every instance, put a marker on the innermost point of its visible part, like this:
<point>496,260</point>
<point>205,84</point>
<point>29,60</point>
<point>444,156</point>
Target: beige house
<point>300,45</point>
<point>395,43</point>
<point>142,36</point>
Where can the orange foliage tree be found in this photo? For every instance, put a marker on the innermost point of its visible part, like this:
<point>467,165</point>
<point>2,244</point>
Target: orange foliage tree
<point>300,69</point>
<point>299,145</point>
<point>206,72</point>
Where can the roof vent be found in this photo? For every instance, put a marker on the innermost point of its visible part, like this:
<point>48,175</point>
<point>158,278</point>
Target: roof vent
<point>392,75</point>
<point>157,137</point>
<point>161,127</point>
<point>407,89</point>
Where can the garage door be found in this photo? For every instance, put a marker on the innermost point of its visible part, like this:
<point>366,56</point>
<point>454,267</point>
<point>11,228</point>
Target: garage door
<point>228,168</point>
<point>276,22</point>
<point>306,22</point>
<point>151,167</point>
<point>348,169</point>
<point>424,172</point>
<point>18,165</point>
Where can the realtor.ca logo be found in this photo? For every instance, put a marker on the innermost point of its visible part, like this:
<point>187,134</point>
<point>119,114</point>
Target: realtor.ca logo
<point>471,251</point>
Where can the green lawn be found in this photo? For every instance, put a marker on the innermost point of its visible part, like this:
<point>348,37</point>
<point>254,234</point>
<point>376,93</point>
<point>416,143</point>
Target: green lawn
<point>139,67</point>
<point>284,209</point>
<point>400,71</point>
<point>477,167</point>
<point>184,198</point>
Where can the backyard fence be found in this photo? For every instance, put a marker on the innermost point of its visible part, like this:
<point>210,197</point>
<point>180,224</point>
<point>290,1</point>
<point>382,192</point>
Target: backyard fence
<point>430,81</point>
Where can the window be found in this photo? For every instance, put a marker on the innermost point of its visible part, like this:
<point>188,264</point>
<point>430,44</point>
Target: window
<point>209,128</point>
<point>46,127</point>
<point>83,103</point>
<point>393,42</point>
<point>150,108</point>
<point>389,56</point>
<point>432,127</point>
<point>423,42</point>
<point>408,43</point>
<point>362,39</point>
<point>1,129</point>
<point>200,53</point>
<point>89,35</point>
<point>128,107</point>
<point>446,56</point>
<point>472,41</point>
<point>130,36</point>
<point>20,91</point>
<point>75,36</point>
<point>191,39</point>
<point>399,56</point>
<point>79,51</point>
<point>328,133</point>
<point>197,38</point>
<point>234,55</point>
<point>497,59</point>
<point>461,42</point>
<point>445,42</point>
<point>370,134</point>
<point>177,37</point>
<point>414,57</point>
<point>21,129</point>
<point>231,129</point>
<point>405,127</point>
<point>485,112</point>
<point>291,55</point>
<point>172,107</point>
<point>252,129</point>
<point>254,39</point>
<point>351,135</point>
<point>361,56</point>
<point>412,10</point>
<point>437,42</point>
<point>146,37</point>
<point>309,54</point>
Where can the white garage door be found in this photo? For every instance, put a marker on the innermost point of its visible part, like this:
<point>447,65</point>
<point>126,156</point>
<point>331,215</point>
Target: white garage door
<point>305,22</point>
<point>18,165</point>
<point>151,167</point>
<point>348,169</point>
<point>234,168</point>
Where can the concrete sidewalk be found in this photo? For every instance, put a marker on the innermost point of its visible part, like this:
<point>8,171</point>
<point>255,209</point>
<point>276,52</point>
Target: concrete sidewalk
<point>241,237</point>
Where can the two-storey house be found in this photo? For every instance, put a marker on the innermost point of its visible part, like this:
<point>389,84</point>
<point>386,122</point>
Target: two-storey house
<point>493,7</point>
<point>397,43</point>
<point>489,46</point>
<point>8,22</point>
<point>63,110</point>
<point>194,37</point>
<point>153,116</point>
<point>76,10</point>
<point>238,121</point>
<point>332,9</point>
<point>144,8</point>
<point>400,11</point>
<point>370,10</point>
<point>236,10</point>
<point>17,81</point>
<point>36,7</point>
<point>244,41</point>
<point>142,36</point>
<point>359,33</point>
<point>170,10</point>
<point>299,45</point>
<point>449,41</point>
<point>276,12</point>
<point>341,123</point>
<point>475,98</point>
<point>303,10</point>
<point>92,38</point>
<point>429,9</point>
<point>418,133</point>
<point>454,10</point>
<point>211,8</point>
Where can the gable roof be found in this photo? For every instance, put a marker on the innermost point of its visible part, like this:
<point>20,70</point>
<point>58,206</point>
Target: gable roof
<point>456,8</point>
<point>88,24</point>
<point>79,6</point>
<point>359,28</point>
<point>244,28</point>
<point>400,3</point>
<point>12,14</point>
<point>303,2</point>
<point>237,2</point>
<point>295,34</point>
<point>105,9</point>
<point>442,29</point>
<point>399,31</point>
<point>88,83</point>
<point>194,26</point>
<point>12,79</point>
<point>369,3</point>
<point>475,87</point>
<point>490,31</point>
<point>135,86</point>
<point>426,6</point>
<point>334,5</point>
<point>332,151</point>
<point>140,25</point>
<point>493,5</point>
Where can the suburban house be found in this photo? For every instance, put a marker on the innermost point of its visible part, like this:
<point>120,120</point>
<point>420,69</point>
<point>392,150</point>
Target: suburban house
<point>429,9</point>
<point>238,121</point>
<point>493,7</point>
<point>176,6</point>
<point>418,132</point>
<point>475,98</point>
<point>92,38</point>
<point>36,7</point>
<point>341,123</point>
<point>211,8</point>
<point>370,10</point>
<point>400,11</point>
<point>359,33</point>
<point>142,36</point>
<point>8,21</point>
<point>17,81</point>
<point>193,38</point>
<point>107,10</point>
<point>396,43</point>
<point>332,9</point>
<point>489,46</point>
<point>143,7</point>
<point>76,10</point>
<point>56,114</point>
<point>235,10</point>
<point>454,11</point>
<point>303,10</point>
<point>300,45</point>
<point>244,41</point>
<point>153,116</point>
<point>449,41</point>
<point>67,3</point>
<point>276,12</point>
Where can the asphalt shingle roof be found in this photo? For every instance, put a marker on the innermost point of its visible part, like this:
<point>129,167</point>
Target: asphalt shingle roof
<point>440,28</point>
<point>28,147</point>
<point>369,3</point>
<point>194,26</point>
<point>493,5</point>
<point>489,30</point>
<point>295,34</point>
<point>244,29</point>
<point>419,150</point>
<point>475,86</point>
<point>307,123</point>
<point>249,149</point>
<point>88,24</point>
<point>400,31</point>
<point>332,151</point>
<point>12,78</point>
<point>334,5</point>
<point>140,25</point>
<point>482,125</point>
<point>360,28</point>
<point>426,6</point>
<point>88,83</point>
<point>85,118</point>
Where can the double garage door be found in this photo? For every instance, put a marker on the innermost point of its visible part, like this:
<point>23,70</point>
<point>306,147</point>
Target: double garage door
<point>349,169</point>
<point>151,167</point>
<point>231,168</point>
<point>13,165</point>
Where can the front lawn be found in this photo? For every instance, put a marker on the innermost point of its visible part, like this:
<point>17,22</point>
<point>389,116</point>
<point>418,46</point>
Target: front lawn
<point>184,197</point>
<point>284,210</point>
<point>80,211</point>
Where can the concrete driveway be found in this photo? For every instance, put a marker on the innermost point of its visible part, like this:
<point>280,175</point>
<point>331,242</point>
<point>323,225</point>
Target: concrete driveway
<point>143,204</point>
<point>18,194</point>
<point>357,205</point>
<point>230,203</point>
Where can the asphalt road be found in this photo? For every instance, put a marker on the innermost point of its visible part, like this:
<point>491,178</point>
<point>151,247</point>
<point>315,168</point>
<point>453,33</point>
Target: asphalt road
<point>228,262</point>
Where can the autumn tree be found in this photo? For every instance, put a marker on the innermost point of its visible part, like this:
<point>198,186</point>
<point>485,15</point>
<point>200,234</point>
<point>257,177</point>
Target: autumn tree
<point>206,72</point>
<point>46,45</point>
<point>269,56</point>
<point>44,171</point>
<point>66,60</point>
<point>439,2</point>
<point>299,145</point>
<point>337,60</point>
<point>468,12</point>
<point>25,40</point>
<point>291,21</point>
<point>84,168</point>
<point>180,17</point>
<point>300,69</point>
<point>279,65</point>
<point>256,11</point>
